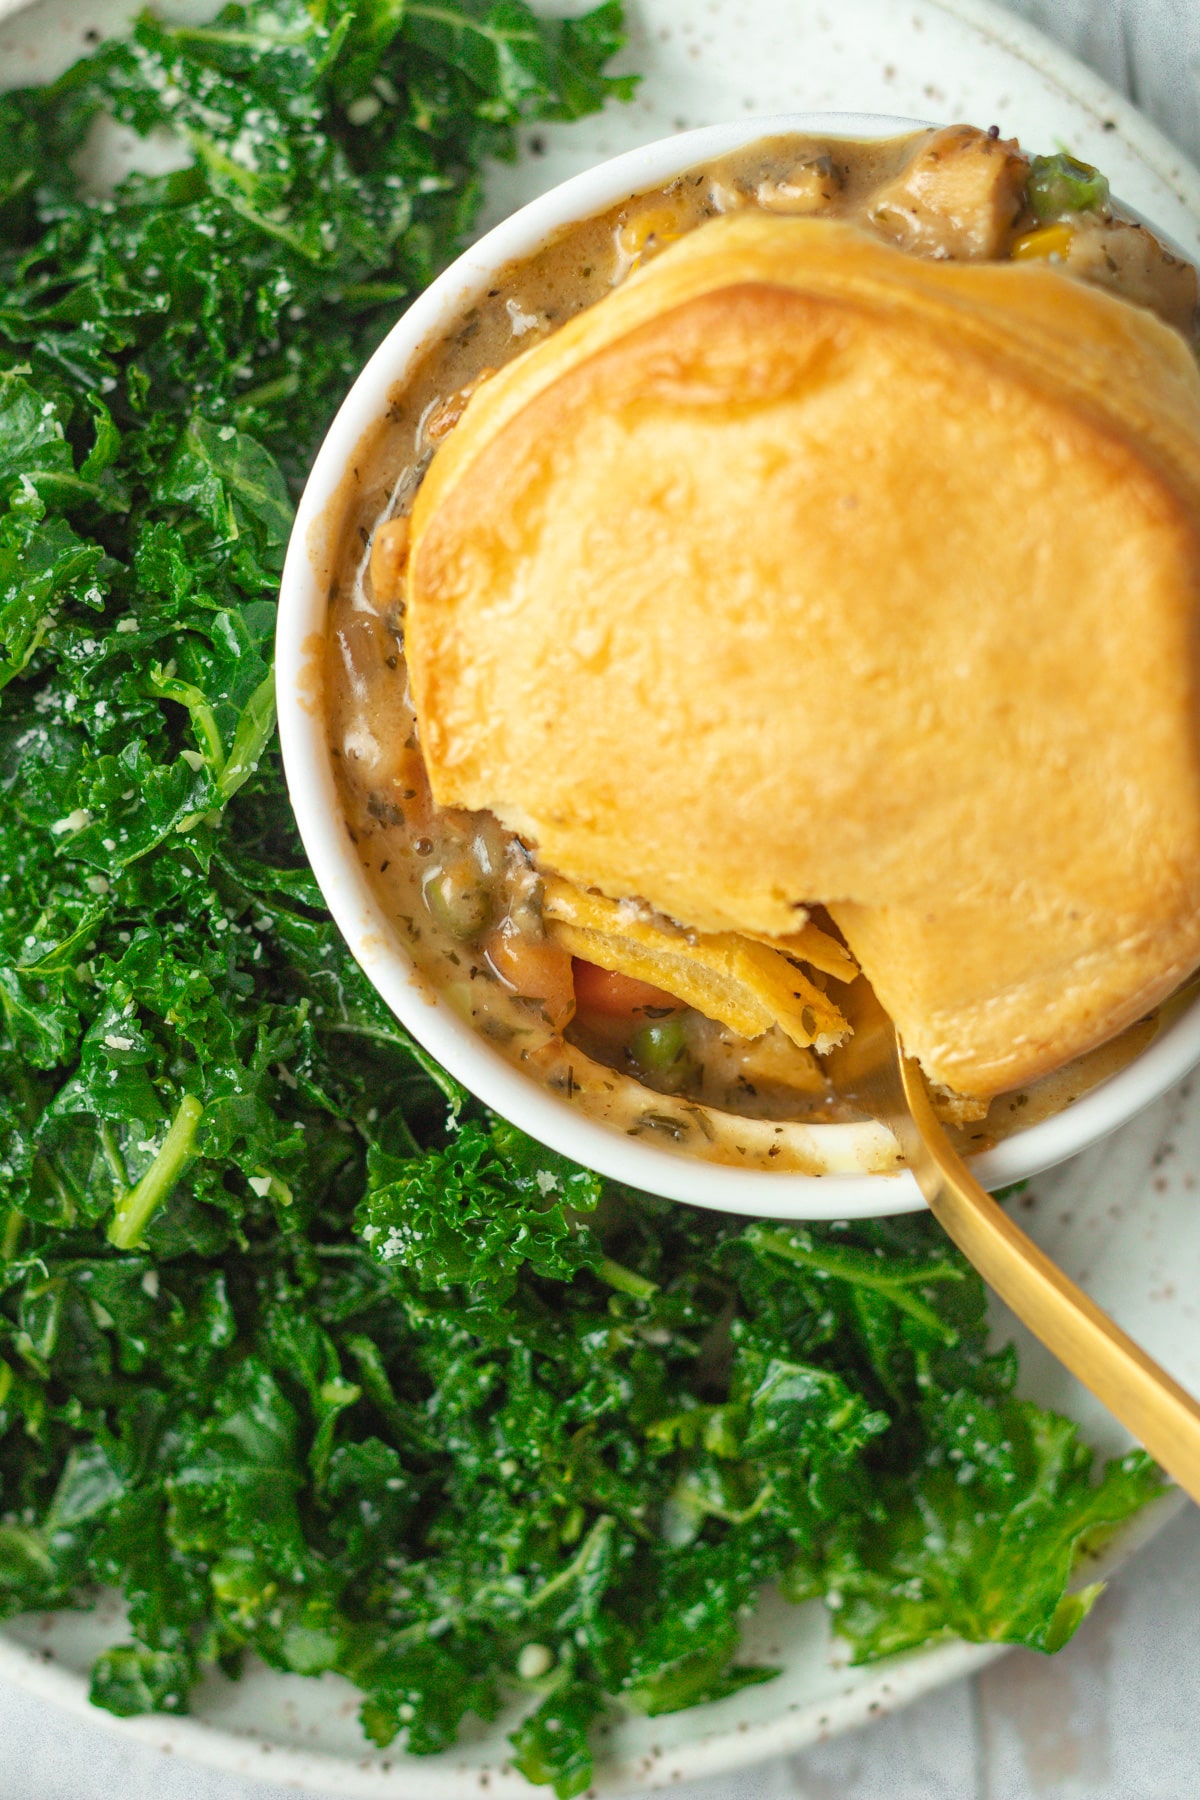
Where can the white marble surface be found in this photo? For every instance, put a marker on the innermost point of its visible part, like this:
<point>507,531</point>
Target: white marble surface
<point>1113,1717</point>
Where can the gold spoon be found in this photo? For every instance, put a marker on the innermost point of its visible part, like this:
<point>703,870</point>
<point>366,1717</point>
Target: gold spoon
<point>872,1070</point>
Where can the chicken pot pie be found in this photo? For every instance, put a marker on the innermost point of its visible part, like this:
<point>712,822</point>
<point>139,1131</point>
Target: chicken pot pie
<point>809,586</point>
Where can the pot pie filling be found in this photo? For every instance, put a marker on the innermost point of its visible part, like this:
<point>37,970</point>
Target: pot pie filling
<point>709,1040</point>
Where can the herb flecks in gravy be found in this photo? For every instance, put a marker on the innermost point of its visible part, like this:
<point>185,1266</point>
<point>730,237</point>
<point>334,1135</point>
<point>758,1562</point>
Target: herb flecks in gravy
<point>466,893</point>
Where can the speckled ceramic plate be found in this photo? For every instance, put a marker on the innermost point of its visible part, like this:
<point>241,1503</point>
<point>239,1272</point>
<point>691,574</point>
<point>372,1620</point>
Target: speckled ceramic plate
<point>1121,1218</point>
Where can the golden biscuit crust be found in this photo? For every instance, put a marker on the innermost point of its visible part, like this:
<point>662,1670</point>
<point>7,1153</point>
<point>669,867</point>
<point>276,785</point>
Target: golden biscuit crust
<point>803,571</point>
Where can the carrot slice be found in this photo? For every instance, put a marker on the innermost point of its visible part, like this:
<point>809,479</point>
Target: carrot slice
<point>617,996</point>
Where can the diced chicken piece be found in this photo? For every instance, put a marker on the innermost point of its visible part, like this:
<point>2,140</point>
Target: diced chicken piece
<point>389,554</point>
<point>727,196</point>
<point>440,421</point>
<point>1121,254</point>
<point>809,187</point>
<point>774,1059</point>
<point>959,197</point>
<point>957,1109</point>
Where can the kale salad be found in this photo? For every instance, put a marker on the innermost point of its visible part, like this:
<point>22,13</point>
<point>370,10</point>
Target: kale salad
<point>300,1350</point>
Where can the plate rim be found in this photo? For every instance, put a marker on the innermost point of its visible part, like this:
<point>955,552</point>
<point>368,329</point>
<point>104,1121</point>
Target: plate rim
<point>904,1679</point>
<point>1172,164</point>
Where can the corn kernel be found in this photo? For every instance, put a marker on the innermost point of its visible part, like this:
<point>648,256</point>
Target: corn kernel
<point>657,222</point>
<point>1048,240</point>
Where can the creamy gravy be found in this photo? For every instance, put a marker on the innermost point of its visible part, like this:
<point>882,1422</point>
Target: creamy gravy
<point>464,893</point>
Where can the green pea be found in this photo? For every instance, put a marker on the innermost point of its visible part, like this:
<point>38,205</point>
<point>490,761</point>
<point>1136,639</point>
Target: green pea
<point>458,900</point>
<point>1059,184</point>
<point>659,1045</point>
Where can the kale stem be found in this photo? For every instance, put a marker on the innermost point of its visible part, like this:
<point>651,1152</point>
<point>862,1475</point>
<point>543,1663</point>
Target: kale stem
<point>14,1225</point>
<point>238,40</point>
<point>441,15</point>
<point>134,1212</point>
<point>841,1267</point>
<point>254,731</point>
<point>626,1281</point>
<point>204,722</point>
<point>591,1543</point>
<point>373,293</point>
<point>47,1165</point>
<point>112,1155</point>
<point>281,388</point>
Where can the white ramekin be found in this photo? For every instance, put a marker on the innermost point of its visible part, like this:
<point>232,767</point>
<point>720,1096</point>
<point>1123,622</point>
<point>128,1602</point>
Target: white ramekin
<point>374,941</point>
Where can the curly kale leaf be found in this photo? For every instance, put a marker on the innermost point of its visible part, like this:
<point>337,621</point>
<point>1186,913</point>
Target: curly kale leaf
<point>474,1214</point>
<point>553,1747</point>
<point>538,1483</point>
<point>556,67</point>
<point>168,359</point>
<point>982,1540</point>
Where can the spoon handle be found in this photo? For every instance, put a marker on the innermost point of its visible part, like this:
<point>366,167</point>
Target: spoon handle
<point>1159,1413</point>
